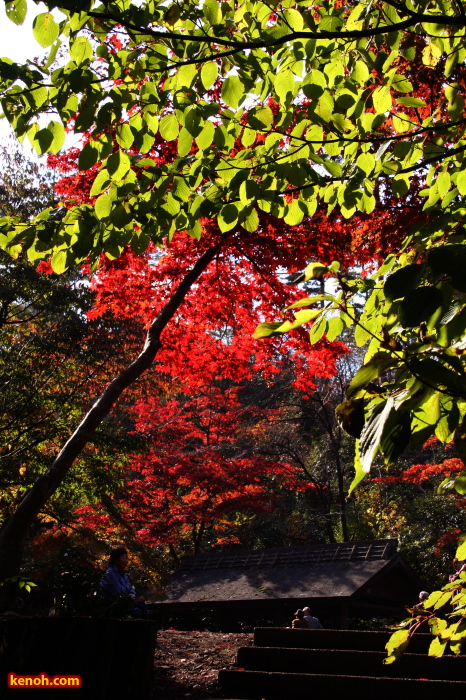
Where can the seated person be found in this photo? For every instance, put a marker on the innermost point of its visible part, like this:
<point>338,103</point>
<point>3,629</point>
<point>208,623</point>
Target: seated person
<point>423,595</point>
<point>299,622</point>
<point>312,622</point>
<point>115,582</point>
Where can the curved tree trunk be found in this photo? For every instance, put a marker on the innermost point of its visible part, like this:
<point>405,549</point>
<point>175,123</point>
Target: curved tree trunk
<point>14,532</point>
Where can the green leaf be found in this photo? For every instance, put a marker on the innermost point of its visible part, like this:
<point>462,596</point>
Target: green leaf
<point>248,137</point>
<point>382,99</point>
<point>362,333</point>
<point>185,142</point>
<point>399,639</point>
<point>101,183</point>
<point>251,222</point>
<point>300,318</point>
<point>401,84</point>
<point>314,271</point>
<point>120,217</point>
<point>209,74</point>
<point>249,191</point>
<point>124,135</point>
<point>264,330</point>
<point>81,50</point>
<point>45,29</point>
<point>58,261</point>
<point>168,127</point>
<point>294,19</point>
<point>419,305</point>
<point>58,136</point>
<point>172,15</point>
<point>212,11</point>
<point>205,138</point>
<point>379,422</point>
<point>443,183</point>
<point>410,101</point>
<point>314,84</point>
<point>403,281</point>
<point>284,84</point>
<point>359,472</point>
<point>449,260</point>
<point>88,156</point>
<point>233,91</point>
<point>103,206</point>
<point>260,118</point>
<point>335,326</point>
<point>307,301</point>
<point>16,10</point>
<point>118,165</point>
<point>42,141</point>
<point>461,182</point>
<point>376,366</point>
<point>228,217</point>
<point>295,213</point>
<point>460,483</point>
<point>318,330</point>
<point>360,72</point>
<point>366,162</point>
<point>434,372</point>
<point>461,552</point>
<point>396,439</point>
<point>350,416</point>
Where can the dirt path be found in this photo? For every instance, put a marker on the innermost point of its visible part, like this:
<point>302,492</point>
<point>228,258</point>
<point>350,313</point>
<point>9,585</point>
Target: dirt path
<point>186,664</point>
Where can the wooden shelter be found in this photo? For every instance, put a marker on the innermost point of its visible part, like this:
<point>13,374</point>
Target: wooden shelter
<point>357,579</point>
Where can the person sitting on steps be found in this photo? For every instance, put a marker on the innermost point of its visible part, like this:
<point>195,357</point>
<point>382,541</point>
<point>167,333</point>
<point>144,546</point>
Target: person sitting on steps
<point>115,582</point>
<point>312,622</point>
<point>299,622</point>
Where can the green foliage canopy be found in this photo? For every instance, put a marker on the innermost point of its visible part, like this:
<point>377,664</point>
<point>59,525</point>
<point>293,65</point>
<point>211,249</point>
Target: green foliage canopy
<point>210,75</point>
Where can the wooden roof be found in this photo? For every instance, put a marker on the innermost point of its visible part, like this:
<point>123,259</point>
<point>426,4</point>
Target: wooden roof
<point>330,571</point>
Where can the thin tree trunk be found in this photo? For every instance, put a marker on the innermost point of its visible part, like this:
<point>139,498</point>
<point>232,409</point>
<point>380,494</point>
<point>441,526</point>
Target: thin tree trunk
<point>341,495</point>
<point>15,530</point>
<point>335,443</point>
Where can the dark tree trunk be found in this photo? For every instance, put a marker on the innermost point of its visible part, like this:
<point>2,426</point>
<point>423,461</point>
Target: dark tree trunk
<point>15,530</point>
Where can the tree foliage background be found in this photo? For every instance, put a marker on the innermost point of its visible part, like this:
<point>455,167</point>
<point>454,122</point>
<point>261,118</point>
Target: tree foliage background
<point>235,128</point>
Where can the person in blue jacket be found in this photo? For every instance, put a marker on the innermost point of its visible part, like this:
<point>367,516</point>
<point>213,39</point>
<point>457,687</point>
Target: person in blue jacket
<point>116,582</point>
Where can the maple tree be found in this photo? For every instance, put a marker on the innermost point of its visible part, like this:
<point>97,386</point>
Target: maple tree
<point>212,339</point>
<point>196,476</point>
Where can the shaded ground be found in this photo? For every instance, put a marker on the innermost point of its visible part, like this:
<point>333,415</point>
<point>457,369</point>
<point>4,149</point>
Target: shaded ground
<point>186,664</point>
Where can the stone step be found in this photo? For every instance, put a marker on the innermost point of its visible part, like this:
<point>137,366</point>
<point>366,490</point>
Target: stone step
<point>259,685</point>
<point>342,662</point>
<point>333,639</point>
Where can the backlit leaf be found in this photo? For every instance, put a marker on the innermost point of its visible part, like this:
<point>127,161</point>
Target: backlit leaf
<point>233,92</point>
<point>168,127</point>
<point>209,74</point>
<point>45,29</point>
<point>16,10</point>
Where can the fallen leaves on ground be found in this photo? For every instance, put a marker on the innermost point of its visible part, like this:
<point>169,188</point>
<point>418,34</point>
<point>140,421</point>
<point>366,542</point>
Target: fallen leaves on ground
<point>186,664</point>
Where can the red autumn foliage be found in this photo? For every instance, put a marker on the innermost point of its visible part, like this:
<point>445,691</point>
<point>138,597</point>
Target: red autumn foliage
<point>419,473</point>
<point>197,473</point>
<point>449,539</point>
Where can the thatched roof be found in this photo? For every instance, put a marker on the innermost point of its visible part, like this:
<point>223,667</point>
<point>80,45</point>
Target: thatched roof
<point>331,571</point>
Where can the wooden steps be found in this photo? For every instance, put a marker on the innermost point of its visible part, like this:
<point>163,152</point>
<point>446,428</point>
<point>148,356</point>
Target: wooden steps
<point>286,664</point>
<point>332,639</point>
